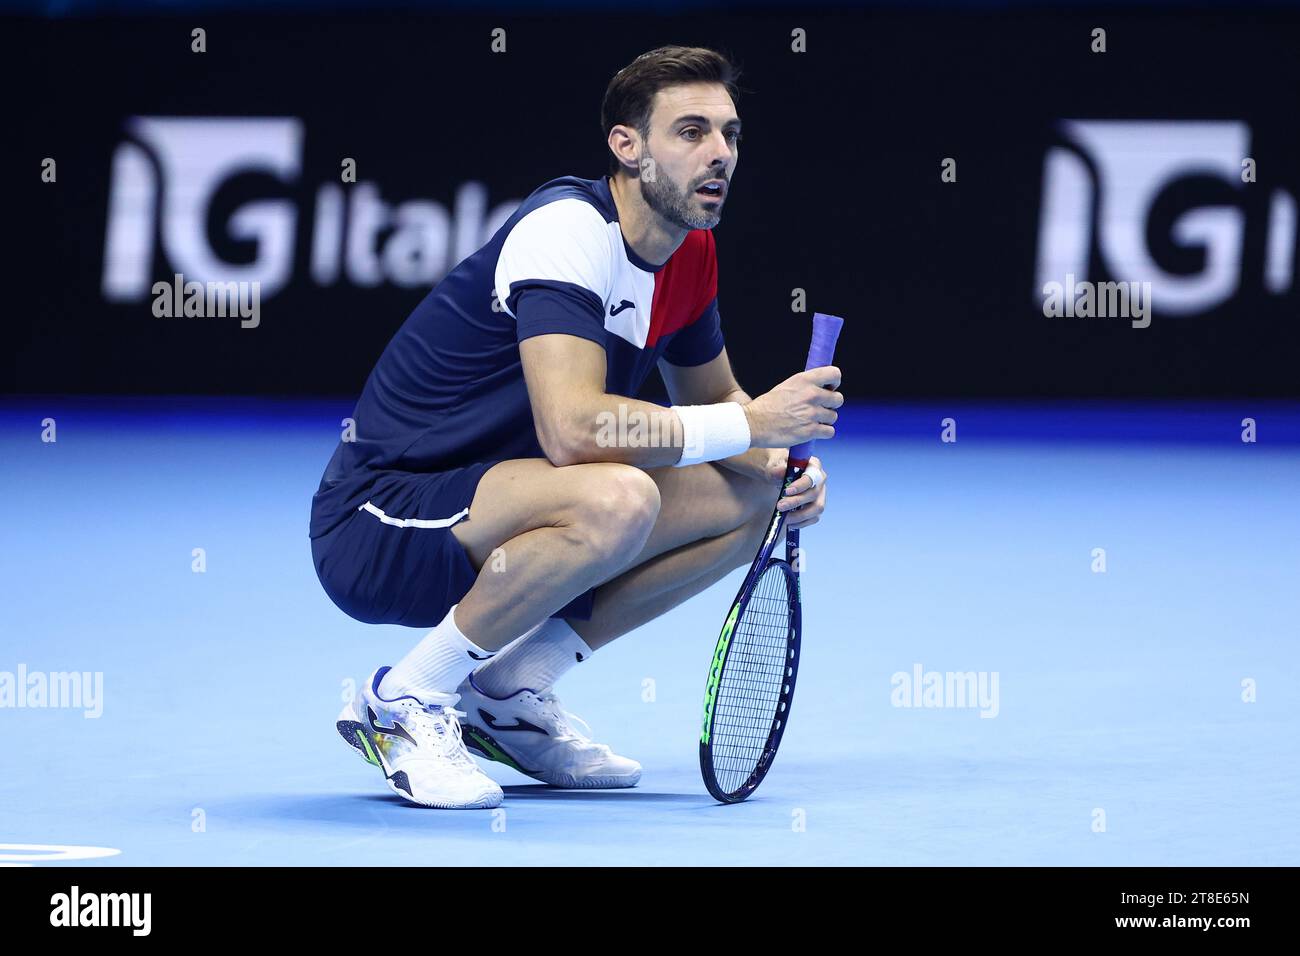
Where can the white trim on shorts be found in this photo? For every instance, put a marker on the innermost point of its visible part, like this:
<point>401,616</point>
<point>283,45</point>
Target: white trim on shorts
<point>413,522</point>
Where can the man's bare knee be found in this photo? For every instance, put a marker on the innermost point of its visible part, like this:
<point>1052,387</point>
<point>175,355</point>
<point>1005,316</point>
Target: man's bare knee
<point>614,511</point>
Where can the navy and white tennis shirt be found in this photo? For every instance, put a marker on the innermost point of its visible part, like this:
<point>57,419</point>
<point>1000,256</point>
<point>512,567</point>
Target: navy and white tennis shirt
<point>449,390</point>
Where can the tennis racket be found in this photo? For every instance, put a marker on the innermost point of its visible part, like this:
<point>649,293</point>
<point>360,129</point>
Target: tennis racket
<point>751,681</point>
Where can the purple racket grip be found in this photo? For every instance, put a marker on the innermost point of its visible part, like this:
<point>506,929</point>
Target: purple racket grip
<point>826,331</point>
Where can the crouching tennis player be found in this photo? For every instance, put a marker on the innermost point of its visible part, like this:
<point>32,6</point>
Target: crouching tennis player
<point>506,489</point>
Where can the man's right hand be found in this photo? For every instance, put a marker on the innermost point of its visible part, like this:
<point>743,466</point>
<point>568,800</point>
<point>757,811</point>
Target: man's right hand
<point>801,408</point>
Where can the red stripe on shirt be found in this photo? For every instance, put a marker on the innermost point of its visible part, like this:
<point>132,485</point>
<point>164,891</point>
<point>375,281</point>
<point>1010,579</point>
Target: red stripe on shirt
<point>684,286</point>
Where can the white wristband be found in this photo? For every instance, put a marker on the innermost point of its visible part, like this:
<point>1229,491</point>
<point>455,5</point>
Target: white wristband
<point>710,432</point>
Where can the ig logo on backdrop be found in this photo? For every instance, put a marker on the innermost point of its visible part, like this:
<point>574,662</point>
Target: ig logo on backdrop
<point>163,182</point>
<point>1098,196</point>
<point>168,171</point>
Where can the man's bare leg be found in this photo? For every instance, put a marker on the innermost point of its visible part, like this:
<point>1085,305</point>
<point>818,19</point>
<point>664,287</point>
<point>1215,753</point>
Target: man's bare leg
<point>709,521</point>
<point>660,584</point>
<point>541,535</point>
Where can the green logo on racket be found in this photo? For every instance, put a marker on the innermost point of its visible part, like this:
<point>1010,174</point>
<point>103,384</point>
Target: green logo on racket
<point>715,671</point>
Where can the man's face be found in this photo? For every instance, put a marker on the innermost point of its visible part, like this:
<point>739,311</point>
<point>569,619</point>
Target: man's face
<point>694,140</point>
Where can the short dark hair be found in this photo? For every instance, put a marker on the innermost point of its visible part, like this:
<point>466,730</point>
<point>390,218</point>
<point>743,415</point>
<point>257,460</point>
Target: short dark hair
<point>629,98</point>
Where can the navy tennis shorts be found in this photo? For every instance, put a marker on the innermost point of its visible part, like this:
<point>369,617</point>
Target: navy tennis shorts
<point>394,560</point>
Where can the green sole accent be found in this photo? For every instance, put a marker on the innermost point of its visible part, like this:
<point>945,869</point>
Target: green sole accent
<point>494,752</point>
<point>365,748</point>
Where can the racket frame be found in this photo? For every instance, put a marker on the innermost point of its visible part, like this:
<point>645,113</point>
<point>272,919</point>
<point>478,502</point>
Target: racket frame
<point>781,716</point>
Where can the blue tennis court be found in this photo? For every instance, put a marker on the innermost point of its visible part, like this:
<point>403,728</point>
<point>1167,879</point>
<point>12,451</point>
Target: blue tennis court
<point>1057,713</point>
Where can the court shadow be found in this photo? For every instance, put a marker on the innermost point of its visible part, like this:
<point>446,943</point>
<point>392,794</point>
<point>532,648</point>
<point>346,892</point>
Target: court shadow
<point>542,792</point>
<point>365,810</point>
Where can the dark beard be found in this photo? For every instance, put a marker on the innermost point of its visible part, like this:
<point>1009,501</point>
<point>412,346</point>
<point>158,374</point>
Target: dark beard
<point>676,206</point>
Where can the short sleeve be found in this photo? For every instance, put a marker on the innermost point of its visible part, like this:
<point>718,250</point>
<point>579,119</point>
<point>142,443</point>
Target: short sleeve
<point>699,342</point>
<point>547,309</point>
<point>555,269</point>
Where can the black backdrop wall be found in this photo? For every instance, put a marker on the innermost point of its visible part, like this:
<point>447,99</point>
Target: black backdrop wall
<point>226,165</point>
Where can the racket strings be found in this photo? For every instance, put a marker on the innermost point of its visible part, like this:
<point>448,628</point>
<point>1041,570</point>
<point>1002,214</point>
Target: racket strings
<point>753,679</point>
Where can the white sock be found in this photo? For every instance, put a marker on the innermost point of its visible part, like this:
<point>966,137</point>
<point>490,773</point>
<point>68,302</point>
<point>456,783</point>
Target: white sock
<point>442,659</point>
<point>535,661</point>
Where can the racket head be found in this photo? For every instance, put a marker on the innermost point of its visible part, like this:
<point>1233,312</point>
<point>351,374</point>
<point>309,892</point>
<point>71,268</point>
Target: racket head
<point>751,683</point>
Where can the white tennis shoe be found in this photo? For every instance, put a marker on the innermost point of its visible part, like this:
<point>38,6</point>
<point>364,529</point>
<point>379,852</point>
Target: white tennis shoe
<point>419,747</point>
<point>533,733</point>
